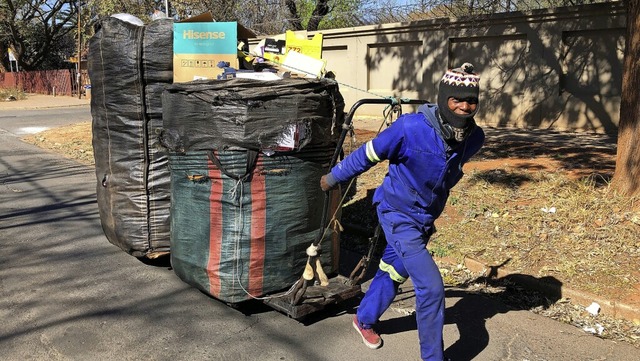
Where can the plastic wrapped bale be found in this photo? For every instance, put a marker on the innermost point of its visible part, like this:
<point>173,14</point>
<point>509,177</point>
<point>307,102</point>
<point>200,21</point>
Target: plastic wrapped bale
<point>243,211</point>
<point>129,67</point>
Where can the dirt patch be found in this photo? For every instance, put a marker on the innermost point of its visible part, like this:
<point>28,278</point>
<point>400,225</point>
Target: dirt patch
<point>72,141</point>
<point>577,155</point>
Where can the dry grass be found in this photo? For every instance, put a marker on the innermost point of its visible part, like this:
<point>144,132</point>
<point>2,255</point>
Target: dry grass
<point>72,141</point>
<point>546,225</point>
<point>11,94</point>
<point>540,224</point>
<point>535,221</point>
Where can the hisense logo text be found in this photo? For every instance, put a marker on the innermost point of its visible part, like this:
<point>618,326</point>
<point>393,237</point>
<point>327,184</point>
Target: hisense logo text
<point>191,35</point>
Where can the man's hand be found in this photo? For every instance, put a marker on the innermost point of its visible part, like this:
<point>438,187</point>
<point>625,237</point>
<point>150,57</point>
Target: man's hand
<point>325,185</point>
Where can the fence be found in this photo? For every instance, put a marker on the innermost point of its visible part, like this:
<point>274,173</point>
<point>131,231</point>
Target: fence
<point>50,82</point>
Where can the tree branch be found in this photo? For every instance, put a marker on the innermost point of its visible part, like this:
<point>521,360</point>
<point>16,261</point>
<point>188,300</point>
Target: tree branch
<point>322,9</point>
<point>295,17</point>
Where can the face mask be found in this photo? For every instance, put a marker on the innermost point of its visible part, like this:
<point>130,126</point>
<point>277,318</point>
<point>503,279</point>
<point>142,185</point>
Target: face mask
<point>455,134</point>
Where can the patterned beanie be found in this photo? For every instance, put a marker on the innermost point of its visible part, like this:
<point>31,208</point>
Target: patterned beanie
<point>459,83</point>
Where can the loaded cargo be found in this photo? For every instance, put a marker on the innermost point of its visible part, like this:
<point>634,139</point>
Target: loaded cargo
<point>244,211</point>
<point>223,175</point>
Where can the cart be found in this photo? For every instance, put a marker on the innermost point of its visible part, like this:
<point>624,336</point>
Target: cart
<point>310,295</point>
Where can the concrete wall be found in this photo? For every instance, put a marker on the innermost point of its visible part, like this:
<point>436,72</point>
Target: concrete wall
<point>553,69</point>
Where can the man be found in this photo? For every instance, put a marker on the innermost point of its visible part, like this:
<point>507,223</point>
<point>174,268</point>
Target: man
<point>426,151</point>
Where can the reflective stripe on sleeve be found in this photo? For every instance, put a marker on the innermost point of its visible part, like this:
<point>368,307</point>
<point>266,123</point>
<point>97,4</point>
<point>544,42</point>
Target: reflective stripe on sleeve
<point>392,272</point>
<point>371,153</point>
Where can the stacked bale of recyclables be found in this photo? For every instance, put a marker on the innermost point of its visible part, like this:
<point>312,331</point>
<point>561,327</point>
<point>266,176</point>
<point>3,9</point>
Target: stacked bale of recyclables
<point>129,66</point>
<point>246,157</point>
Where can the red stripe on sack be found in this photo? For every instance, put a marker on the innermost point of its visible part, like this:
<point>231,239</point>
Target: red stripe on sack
<point>258,229</point>
<point>215,229</point>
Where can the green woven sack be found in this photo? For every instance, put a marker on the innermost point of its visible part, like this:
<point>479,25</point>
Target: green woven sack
<point>241,221</point>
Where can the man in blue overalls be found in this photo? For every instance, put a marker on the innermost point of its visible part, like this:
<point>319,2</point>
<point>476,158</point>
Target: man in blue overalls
<point>426,151</point>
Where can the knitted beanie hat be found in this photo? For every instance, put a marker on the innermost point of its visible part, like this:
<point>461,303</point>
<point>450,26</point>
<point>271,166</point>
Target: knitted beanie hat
<point>459,83</point>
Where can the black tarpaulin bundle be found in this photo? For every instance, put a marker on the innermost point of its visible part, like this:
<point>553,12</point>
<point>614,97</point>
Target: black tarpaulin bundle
<point>250,114</point>
<point>129,67</point>
<point>243,212</point>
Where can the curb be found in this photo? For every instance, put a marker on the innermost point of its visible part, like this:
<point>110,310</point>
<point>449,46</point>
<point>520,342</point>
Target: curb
<point>611,308</point>
<point>40,101</point>
<point>5,106</point>
<point>36,107</point>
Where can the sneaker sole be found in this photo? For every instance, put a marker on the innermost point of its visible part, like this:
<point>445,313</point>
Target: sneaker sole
<point>368,344</point>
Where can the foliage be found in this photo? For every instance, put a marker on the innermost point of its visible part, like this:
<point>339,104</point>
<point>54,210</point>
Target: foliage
<point>40,32</point>
<point>138,8</point>
<point>272,17</point>
<point>319,15</point>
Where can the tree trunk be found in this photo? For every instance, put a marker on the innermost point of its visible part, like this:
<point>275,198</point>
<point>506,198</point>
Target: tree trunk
<point>295,22</point>
<point>322,9</point>
<point>626,178</point>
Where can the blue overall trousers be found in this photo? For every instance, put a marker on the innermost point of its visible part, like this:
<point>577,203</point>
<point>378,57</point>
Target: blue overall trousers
<point>406,256</point>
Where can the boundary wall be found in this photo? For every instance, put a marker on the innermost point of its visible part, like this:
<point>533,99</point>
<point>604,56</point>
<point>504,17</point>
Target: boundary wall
<point>557,69</point>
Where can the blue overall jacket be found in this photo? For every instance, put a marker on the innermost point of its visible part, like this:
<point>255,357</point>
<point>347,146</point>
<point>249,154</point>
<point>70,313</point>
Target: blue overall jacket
<point>423,167</point>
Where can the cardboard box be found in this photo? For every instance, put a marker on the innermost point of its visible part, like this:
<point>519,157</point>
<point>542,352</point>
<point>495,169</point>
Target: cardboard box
<point>304,65</point>
<point>273,49</point>
<point>309,47</point>
<point>200,43</point>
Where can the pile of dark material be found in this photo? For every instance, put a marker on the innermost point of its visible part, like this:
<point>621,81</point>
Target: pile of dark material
<point>129,68</point>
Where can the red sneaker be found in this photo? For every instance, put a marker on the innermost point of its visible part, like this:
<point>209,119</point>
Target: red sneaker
<point>369,336</point>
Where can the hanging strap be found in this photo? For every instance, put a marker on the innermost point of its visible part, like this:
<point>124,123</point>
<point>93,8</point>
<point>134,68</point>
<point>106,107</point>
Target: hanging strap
<point>252,159</point>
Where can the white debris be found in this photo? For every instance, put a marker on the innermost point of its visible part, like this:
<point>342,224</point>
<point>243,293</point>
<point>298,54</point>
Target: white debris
<point>593,308</point>
<point>548,210</point>
<point>589,329</point>
<point>312,250</point>
<point>129,18</point>
<point>31,130</point>
<point>598,329</point>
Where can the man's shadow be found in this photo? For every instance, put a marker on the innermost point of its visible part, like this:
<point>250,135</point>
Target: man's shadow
<point>472,308</point>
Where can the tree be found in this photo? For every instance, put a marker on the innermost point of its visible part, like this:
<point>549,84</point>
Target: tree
<point>327,14</point>
<point>264,17</point>
<point>40,32</point>
<point>626,178</point>
<point>321,9</point>
<point>324,14</point>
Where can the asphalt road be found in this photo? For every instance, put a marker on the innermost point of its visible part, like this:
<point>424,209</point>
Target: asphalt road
<point>66,293</point>
<point>29,121</point>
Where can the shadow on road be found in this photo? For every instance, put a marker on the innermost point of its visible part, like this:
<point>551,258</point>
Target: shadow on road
<point>471,309</point>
